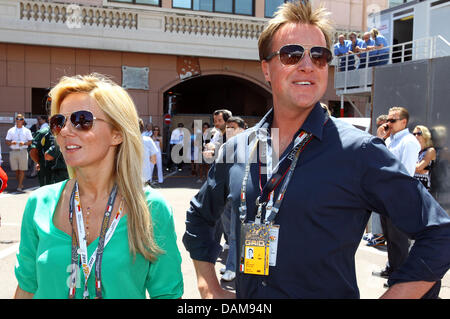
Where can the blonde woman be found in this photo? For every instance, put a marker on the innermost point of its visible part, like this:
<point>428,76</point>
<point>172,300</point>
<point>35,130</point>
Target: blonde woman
<point>100,234</point>
<point>427,155</point>
<point>381,47</point>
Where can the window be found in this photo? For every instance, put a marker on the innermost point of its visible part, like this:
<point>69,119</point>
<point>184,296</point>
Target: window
<point>271,7</point>
<point>224,6</point>
<point>184,4</point>
<point>244,7</point>
<point>150,2</point>
<point>203,5</point>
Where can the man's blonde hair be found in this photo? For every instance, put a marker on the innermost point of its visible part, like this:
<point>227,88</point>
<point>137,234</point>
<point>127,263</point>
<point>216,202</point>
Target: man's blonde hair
<point>121,112</point>
<point>298,12</point>
<point>403,113</point>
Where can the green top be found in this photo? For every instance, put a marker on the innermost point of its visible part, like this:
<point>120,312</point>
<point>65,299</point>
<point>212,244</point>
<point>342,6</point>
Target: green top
<point>44,256</point>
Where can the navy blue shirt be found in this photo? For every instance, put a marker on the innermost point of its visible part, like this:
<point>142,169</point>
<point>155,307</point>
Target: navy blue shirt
<point>341,176</point>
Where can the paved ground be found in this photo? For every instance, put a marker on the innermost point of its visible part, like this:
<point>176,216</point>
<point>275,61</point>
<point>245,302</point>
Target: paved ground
<point>178,189</point>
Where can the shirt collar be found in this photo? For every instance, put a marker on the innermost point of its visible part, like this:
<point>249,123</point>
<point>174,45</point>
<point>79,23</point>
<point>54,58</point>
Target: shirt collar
<point>313,124</point>
<point>400,134</point>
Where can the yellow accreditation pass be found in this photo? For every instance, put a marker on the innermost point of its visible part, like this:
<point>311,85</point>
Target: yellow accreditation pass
<point>254,249</point>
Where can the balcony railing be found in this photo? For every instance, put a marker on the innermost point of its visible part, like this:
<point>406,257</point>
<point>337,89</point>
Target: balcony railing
<point>218,27</point>
<point>353,72</point>
<point>75,16</point>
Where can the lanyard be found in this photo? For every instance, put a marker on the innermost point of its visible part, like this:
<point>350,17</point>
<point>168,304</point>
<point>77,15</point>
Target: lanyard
<point>288,166</point>
<point>96,257</point>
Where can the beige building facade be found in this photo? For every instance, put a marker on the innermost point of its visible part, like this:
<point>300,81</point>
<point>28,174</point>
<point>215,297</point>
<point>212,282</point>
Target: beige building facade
<point>190,49</point>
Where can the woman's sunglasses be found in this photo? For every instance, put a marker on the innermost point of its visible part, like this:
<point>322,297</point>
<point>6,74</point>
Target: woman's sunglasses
<point>417,133</point>
<point>81,120</point>
<point>291,54</point>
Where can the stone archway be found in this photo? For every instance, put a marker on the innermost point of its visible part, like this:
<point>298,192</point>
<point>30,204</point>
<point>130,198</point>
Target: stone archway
<point>243,95</point>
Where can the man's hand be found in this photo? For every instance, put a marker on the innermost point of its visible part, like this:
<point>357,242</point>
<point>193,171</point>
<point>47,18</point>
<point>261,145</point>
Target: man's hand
<point>209,150</point>
<point>383,131</point>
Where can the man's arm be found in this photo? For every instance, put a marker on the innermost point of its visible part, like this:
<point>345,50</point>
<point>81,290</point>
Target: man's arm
<point>207,282</point>
<point>205,210</point>
<point>388,189</point>
<point>408,290</point>
<point>34,154</point>
<point>410,155</point>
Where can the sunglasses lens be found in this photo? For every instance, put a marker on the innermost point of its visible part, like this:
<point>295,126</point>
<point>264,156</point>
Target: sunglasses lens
<point>57,122</point>
<point>320,56</point>
<point>82,120</point>
<point>291,54</point>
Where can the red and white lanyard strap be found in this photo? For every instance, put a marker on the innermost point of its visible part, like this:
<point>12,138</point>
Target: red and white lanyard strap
<point>96,257</point>
<point>271,212</point>
<point>286,168</point>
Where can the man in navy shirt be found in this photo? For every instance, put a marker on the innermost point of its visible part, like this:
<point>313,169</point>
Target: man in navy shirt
<point>318,197</point>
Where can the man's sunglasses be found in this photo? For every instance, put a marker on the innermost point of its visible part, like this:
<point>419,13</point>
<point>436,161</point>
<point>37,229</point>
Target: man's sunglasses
<point>393,120</point>
<point>19,119</point>
<point>291,54</point>
<point>81,120</point>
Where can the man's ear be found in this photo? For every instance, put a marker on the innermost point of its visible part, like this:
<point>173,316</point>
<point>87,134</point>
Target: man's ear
<point>266,70</point>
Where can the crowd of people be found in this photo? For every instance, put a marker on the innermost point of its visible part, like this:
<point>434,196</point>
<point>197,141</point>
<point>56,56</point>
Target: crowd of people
<point>292,194</point>
<point>356,53</point>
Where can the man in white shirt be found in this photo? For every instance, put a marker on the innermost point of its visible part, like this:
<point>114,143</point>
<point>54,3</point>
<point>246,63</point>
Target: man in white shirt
<point>18,139</point>
<point>150,151</point>
<point>218,132</point>
<point>176,137</point>
<point>149,130</point>
<point>401,142</point>
<point>406,148</point>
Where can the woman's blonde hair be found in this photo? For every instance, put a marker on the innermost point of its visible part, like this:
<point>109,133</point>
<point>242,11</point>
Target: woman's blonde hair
<point>298,12</point>
<point>374,32</point>
<point>121,112</point>
<point>426,134</point>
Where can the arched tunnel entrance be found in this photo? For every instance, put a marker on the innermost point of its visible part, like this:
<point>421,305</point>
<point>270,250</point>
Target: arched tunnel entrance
<point>198,97</point>
<point>202,95</point>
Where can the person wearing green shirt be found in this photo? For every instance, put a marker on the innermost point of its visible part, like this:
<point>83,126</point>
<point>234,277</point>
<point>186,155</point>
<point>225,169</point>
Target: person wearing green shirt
<point>100,234</point>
